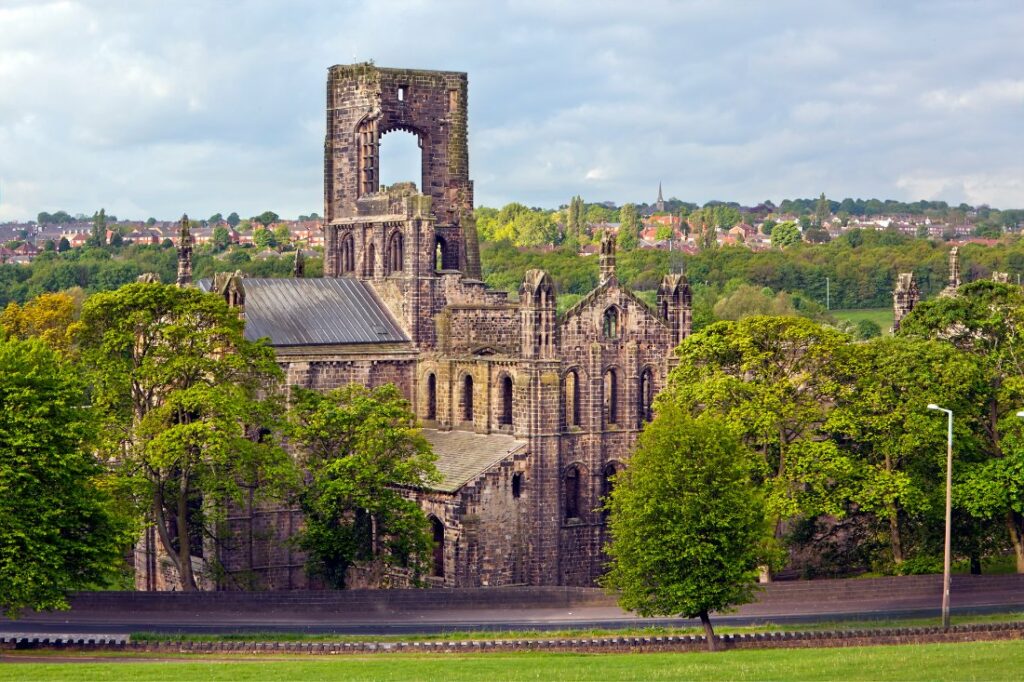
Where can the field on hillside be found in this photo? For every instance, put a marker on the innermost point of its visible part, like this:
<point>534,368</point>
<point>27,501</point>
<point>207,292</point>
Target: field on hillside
<point>967,661</point>
<point>880,316</point>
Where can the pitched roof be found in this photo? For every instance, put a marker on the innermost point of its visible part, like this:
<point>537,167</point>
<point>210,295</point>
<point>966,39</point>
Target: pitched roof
<point>311,312</point>
<point>462,456</point>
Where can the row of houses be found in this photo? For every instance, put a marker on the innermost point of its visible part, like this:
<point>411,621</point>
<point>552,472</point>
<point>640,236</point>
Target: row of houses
<point>31,238</point>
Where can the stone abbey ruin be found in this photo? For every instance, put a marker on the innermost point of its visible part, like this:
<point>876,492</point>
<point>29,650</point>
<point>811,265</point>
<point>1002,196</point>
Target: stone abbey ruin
<point>529,412</point>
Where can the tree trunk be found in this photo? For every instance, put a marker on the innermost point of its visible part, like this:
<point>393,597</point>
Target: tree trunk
<point>894,536</point>
<point>160,521</point>
<point>975,563</point>
<point>709,632</point>
<point>894,522</point>
<point>188,579</point>
<point>1013,526</point>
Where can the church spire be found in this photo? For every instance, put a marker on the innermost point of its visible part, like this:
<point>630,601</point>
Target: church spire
<point>184,253</point>
<point>659,206</point>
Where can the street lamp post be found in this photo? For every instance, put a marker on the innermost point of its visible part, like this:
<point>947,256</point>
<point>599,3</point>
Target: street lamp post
<point>949,508</point>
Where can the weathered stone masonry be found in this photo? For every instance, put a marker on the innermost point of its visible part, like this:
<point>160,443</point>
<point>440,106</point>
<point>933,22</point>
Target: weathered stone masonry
<point>530,413</point>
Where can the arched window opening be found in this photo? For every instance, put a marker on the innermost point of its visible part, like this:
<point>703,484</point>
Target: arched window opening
<point>611,323</point>
<point>438,530</point>
<point>611,396</point>
<point>347,254</point>
<point>394,257</point>
<point>431,396</point>
<point>664,310</point>
<point>445,257</point>
<point>371,261</point>
<point>506,401</point>
<point>572,492</point>
<point>467,398</point>
<point>517,486</point>
<point>607,485</point>
<point>571,399</point>
<point>647,395</point>
<point>401,158</point>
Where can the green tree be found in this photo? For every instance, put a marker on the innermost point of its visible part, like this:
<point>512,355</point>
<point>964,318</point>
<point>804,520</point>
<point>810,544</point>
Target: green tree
<point>64,245</point>
<point>822,211</point>
<point>771,378</point>
<point>534,228</point>
<point>215,219</point>
<point>986,319</point>
<point>663,232</point>
<point>188,407</point>
<point>221,238</point>
<point>785,234</point>
<point>895,445</point>
<point>98,238</point>
<point>748,300</point>
<point>685,521</point>
<point>575,221</point>
<point>361,447</point>
<point>266,218</point>
<point>629,228</point>
<point>233,219</point>
<point>58,528</point>
<point>264,238</point>
<point>282,235</point>
<point>48,317</point>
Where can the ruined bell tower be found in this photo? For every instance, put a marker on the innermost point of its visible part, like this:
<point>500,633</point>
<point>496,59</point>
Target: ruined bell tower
<point>364,103</point>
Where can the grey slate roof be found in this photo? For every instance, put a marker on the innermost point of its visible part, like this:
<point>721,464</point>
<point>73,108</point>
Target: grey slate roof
<point>462,456</point>
<point>305,312</point>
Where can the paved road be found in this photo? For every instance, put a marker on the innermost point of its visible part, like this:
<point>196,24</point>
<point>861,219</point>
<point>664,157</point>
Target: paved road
<point>377,614</point>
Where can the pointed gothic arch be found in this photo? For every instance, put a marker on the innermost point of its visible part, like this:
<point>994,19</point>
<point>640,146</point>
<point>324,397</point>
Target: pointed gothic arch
<point>571,399</point>
<point>505,418</point>
<point>394,258</point>
<point>347,254</point>
<point>646,395</point>
<point>611,396</point>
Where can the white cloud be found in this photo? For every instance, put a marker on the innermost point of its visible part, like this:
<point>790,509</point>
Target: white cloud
<point>988,94</point>
<point>158,108</point>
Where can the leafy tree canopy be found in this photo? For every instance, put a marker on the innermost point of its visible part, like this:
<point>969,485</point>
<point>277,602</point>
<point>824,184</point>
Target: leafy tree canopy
<point>58,528</point>
<point>360,447</point>
<point>685,521</point>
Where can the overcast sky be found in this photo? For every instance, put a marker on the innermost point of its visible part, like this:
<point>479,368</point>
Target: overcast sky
<point>157,108</point>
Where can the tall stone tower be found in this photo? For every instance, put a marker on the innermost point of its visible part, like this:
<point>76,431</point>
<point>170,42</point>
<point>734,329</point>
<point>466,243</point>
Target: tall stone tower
<point>184,253</point>
<point>364,103</point>
<point>954,273</point>
<point>659,205</point>
<point>607,263</point>
<point>904,298</point>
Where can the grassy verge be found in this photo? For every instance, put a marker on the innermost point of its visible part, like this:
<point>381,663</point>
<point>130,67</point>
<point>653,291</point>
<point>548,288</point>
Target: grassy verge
<point>570,634</point>
<point>966,661</point>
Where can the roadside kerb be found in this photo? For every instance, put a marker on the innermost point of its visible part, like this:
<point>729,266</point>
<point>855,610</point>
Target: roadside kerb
<point>607,644</point>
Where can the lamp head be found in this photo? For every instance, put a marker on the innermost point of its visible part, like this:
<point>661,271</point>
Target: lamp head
<point>933,406</point>
<point>1021,413</point>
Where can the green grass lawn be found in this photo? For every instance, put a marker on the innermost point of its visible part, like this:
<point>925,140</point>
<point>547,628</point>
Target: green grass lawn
<point>969,661</point>
<point>880,316</point>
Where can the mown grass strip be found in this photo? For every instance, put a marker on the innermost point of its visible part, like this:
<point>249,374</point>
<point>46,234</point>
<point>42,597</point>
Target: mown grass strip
<point>963,661</point>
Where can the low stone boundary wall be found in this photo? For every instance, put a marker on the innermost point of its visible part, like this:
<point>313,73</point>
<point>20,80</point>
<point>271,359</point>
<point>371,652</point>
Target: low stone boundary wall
<point>608,644</point>
<point>966,590</point>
